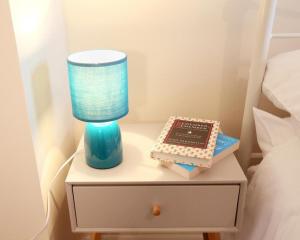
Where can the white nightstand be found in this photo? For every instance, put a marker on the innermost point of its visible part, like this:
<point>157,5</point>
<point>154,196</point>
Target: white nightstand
<point>127,198</point>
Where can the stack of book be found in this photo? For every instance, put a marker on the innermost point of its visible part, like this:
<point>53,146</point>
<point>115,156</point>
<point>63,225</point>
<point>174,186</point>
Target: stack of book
<point>189,146</point>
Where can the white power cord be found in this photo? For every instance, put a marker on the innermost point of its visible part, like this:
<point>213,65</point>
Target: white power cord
<point>48,194</point>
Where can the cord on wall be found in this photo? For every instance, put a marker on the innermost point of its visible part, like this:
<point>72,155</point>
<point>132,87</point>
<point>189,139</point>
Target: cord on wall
<point>48,209</point>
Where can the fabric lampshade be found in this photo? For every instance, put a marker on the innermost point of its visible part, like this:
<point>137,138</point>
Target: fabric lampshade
<point>98,85</point>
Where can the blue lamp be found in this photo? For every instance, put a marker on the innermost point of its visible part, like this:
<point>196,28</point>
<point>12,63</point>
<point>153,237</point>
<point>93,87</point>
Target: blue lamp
<point>99,94</point>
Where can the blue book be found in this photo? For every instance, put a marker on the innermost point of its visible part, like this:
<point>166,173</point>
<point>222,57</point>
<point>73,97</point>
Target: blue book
<point>225,146</point>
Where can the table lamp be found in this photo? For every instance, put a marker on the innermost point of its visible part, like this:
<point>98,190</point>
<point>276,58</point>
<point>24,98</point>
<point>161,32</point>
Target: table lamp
<point>99,95</point>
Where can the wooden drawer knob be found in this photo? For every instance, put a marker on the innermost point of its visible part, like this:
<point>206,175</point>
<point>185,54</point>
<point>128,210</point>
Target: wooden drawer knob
<point>156,210</point>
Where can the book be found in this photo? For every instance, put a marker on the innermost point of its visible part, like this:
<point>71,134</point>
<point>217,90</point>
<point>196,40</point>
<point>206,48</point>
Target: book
<point>187,140</point>
<point>225,146</point>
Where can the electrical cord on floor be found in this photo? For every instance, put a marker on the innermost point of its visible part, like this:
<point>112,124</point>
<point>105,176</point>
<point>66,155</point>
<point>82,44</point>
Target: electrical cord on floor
<point>48,209</point>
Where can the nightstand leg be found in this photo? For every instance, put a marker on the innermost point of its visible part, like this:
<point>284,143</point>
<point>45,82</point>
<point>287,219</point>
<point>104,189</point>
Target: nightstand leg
<point>211,236</point>
<point>96,236</point>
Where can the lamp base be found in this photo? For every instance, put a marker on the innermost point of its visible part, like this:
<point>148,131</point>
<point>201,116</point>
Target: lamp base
<point>103,145</point>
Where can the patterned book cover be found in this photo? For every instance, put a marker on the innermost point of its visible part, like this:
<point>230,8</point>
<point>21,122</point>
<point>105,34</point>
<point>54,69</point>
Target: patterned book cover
<point>225,146</point>
<point>187,140</point>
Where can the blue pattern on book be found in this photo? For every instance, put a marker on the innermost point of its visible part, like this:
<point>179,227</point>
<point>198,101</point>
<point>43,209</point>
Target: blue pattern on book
<point>223,142</point>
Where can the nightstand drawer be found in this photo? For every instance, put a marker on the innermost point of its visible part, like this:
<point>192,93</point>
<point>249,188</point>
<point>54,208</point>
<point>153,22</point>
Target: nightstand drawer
<point>179,205</point>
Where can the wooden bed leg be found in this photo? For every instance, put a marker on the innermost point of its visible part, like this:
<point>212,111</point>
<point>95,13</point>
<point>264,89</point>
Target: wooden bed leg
<point>96,236</point>
<point>211,236</point>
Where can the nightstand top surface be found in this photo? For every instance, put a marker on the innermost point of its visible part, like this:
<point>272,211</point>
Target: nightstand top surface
<point>138,168</point>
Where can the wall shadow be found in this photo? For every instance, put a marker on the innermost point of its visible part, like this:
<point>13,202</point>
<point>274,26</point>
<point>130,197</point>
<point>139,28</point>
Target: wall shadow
<point>62,224</point>
<point>137,85</point>
<point>235,68</point>
<point>40,88</point>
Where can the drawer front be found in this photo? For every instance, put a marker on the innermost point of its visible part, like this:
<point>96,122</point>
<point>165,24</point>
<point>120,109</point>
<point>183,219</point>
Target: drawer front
<point>132,206</point>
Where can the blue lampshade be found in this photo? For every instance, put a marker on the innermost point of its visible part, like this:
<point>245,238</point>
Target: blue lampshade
<point>98,85</point>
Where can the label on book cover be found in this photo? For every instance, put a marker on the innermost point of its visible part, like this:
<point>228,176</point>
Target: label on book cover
<point>189,133</point>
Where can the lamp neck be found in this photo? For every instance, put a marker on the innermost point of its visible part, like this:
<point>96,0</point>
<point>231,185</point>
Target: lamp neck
<point>101,124</point>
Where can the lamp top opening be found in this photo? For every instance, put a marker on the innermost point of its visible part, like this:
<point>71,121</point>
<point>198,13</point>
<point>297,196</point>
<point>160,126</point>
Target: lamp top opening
<point>97,58</point>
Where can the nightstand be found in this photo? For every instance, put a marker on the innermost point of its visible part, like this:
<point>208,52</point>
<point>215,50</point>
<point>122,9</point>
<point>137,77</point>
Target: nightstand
<point>139,195</point>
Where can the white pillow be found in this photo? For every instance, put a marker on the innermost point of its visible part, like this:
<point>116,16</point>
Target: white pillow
<point>282,82</point>
<point>272,131</point>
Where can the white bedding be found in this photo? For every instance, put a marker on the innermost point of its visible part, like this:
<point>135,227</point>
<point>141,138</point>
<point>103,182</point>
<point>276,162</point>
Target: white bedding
<point>273,199</point>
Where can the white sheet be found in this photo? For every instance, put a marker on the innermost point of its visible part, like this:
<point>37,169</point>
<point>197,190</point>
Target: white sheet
<point>273,199</point>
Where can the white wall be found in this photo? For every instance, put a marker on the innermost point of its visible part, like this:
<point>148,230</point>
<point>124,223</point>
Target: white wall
<point>41,43</point>
<point>21,206</point>
<point>287,20</point>
<point>185,57</point>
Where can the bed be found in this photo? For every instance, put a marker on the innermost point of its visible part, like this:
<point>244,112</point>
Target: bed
<point>273,207</point>
<point>273,200</point>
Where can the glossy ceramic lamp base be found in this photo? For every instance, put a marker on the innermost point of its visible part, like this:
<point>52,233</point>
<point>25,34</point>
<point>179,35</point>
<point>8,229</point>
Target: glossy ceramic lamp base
<point>103,146</point>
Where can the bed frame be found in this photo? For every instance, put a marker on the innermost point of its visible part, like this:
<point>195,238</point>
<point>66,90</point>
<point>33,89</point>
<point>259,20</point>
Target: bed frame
<point>264,35</point>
